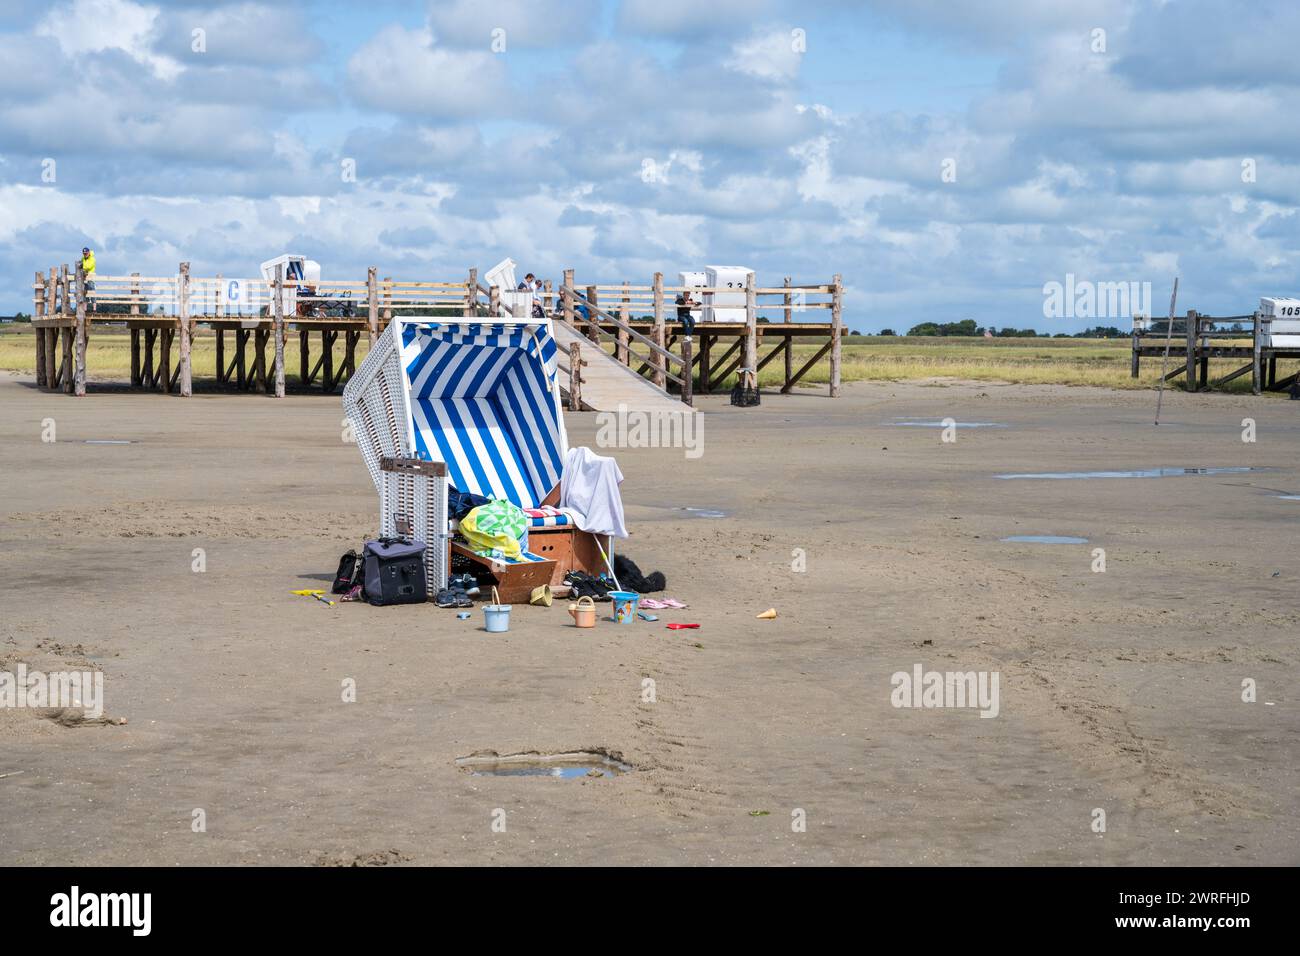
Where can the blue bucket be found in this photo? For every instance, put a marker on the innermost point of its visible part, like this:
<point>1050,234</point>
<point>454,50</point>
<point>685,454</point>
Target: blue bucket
<point>496,617</point>
<point>625,603</point>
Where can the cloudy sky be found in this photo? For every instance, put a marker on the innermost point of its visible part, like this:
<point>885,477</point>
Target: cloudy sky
<point>948,158</point>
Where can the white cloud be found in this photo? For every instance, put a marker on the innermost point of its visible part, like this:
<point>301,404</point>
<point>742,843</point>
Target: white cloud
<point>685,18</point>
<point>527,23</point>
<point>93,26</point>
<point>770,54</point>
<point>403,71</point>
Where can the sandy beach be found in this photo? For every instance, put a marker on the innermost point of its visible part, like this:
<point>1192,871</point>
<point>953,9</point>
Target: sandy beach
<point>879,544</point>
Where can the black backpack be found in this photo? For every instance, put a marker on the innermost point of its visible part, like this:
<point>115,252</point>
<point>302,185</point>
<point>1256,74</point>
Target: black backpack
<point>394,572</point>
<point>349,573</point>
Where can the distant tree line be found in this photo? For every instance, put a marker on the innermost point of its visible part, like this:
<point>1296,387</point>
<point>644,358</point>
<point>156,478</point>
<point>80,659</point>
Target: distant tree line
<point>968,328</point>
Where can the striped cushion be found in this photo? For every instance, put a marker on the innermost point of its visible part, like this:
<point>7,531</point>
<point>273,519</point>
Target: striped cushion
<point>548,521</point>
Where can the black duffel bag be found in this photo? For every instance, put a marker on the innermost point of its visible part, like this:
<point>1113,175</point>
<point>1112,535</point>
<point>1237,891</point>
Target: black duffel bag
<point>394,572</point>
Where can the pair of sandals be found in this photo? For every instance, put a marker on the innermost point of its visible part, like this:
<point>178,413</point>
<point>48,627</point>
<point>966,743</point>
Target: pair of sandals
<point>458,592</point>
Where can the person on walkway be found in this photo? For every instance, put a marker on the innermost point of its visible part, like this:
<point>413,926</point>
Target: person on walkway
<point>88,267</point>
<point>684,305</point>
<point>534,285</point>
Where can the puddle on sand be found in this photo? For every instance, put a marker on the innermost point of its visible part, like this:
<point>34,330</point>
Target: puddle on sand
<point>920,423</point>
<point>1289,497</point>
<point>1143,473</point>
<point>1045,539</point>
<point>566,766</point>
<point>704,513</point>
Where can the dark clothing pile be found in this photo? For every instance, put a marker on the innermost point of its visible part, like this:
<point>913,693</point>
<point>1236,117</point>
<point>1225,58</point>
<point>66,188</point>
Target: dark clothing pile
<point>461,503</point>
<point>630,576</point>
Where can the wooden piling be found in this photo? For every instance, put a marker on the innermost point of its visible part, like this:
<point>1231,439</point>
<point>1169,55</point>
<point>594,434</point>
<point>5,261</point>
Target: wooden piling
<point>593,329</point>
<point>260,378</point>
<point>749,364</point>
<point>328,338</point>
<point>837,332</point>
<point>388,299</point>
<point>621,351</point>
<point>51,335</point>
<point>657,361</point>
<point>494,301</point>
<point>165,337</point>
<point>687,383</point>
<point>1256,385</point>
<point>788,304</point>
<point>566,300</point>
<point>38,312</point>
<point>1189,380</point>
<point>471,293</point>
<point>372,304</point>
<point>241,358</point>
<point>575,376</point>
<point>79,386</point>
<point>279,331</point>
<point>183,310</point>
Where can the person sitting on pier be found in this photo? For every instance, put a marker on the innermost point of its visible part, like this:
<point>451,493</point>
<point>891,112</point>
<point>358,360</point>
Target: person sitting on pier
<point>684,306</point>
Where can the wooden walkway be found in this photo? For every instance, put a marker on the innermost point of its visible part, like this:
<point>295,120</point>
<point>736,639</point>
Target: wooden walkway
<point>1194,340</point>
<point>606,383</point>
<point>653,365</point>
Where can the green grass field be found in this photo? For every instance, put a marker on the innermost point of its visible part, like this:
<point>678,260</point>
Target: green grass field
<point>1102,362</point>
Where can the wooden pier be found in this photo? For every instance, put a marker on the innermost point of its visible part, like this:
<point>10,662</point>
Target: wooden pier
<point>634,326</point>
<point>1195,339</point>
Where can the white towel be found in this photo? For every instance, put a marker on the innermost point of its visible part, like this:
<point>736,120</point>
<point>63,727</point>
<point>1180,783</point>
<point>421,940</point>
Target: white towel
<point>589,488</point>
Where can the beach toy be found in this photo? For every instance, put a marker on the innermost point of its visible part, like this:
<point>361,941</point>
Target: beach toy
<point>541,596</point>
<point>624,605</point>
<point>681,627</point>
<point>583,612</point>
<point>768,615</point>
<point>314,594</point>
<point>496,616</point>
<point>647,617</point>
<point>463,616</point>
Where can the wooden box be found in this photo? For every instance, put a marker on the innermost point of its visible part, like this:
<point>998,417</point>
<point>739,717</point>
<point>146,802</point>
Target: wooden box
<point>569,548</point>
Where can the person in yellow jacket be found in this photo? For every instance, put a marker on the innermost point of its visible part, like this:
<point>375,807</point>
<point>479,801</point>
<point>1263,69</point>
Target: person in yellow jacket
<point>88,266</point>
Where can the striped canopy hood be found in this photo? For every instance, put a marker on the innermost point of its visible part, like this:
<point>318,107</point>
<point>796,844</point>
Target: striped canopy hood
<point>485,399</point>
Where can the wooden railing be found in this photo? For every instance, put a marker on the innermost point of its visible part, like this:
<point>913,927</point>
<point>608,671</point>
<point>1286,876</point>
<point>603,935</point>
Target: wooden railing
<point>159,302</point>
<point>659,358</point>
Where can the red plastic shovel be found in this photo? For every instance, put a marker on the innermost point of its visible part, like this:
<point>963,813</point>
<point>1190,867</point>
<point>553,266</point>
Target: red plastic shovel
<point>681,627</point>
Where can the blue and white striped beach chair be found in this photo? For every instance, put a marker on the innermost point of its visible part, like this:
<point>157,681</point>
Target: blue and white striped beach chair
<point>480,395</point>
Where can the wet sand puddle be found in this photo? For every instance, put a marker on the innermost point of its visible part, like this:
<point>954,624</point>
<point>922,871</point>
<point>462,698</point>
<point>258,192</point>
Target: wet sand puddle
<point>564,766</point>
<point>926,423</point>
<point>1141,473</point>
